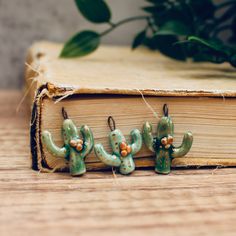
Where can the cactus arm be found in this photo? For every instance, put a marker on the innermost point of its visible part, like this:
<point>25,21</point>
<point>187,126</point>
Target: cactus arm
<point>88,140</point>
<point>108,159</point>
<point>147,136</point>
<point>51,146</point>
<point>185,146</point>
<point>136,141</point>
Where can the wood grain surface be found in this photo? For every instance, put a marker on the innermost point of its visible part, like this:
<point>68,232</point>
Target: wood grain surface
<point>187,202</point>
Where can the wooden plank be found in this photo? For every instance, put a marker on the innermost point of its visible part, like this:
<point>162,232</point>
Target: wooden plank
<point>187,202</point>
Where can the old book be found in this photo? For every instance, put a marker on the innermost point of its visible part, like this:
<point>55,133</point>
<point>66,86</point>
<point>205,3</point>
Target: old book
<point>129,86</point>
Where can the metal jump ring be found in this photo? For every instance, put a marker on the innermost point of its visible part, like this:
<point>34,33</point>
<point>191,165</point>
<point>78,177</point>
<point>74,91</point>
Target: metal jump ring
<point>111,123</point>
<point>64,113</point>
<point>165,110</point>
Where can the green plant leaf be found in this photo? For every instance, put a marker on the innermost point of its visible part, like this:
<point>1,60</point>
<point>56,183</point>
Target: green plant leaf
<point>96,11</point>
<point>139,39</point>
<point>175,12</point>
<point>167,22</point>
<point>213,45</point>
<point>202,9</point>
<point>230,12</point>
<point>232,39</point>
<point>212,50</point>
<point>166,45</point>
<point>174,28</point>
<point>81,44</point>
<point>210,57</point>
<point>154,10</point>
<point>157,2</point>
<point>233,60</point>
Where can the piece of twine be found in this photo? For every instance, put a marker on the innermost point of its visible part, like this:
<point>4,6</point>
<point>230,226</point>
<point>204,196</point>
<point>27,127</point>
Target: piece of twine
<point>64,96</point>
<point>34,79</point>
<point>155,114</point>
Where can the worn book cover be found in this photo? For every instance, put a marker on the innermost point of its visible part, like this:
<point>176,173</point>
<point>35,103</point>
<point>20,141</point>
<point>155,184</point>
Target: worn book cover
<point>131,86</point>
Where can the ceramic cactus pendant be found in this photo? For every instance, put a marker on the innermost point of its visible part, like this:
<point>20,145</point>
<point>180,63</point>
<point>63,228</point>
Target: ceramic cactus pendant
<point>123,152</point>
<point>75,149</point>
<point>162,144</point>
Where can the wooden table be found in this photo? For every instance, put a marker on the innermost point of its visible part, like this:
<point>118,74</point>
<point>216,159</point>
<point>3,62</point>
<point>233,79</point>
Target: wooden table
<point>187,202</point>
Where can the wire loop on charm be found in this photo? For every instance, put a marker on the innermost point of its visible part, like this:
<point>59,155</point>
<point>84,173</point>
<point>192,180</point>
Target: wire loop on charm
<point>111,123</point>
<point>64,113</point>
<point>165,110</point>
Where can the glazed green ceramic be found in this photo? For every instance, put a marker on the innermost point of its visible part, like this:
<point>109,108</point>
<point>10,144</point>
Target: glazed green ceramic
<point>75,149</point>
<point>162,144</point>
<point>123,152</point>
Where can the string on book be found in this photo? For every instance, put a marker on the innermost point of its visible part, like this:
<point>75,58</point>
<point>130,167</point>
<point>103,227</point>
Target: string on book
<point>64,96</point>
<point>148,105</point>
<point>34,79</point>
<point>115,176</point>
<point>223,96</point>
<point>113,172</point>
<point>64,113</point>
<point>56,168</point>
<point>111,123</point>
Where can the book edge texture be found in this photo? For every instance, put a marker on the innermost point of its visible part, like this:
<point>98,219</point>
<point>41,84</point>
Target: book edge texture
<point>38,162</point>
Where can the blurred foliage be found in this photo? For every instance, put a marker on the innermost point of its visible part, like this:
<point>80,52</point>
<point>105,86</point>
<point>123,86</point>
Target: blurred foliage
<point>179,29</point>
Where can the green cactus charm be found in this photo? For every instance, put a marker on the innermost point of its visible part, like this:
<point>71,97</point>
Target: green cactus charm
<point>162,144</point>
<point>75,149</point>
<point>123,152</point>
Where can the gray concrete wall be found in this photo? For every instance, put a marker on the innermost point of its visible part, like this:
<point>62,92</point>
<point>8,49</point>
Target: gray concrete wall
<point>24,21</point>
